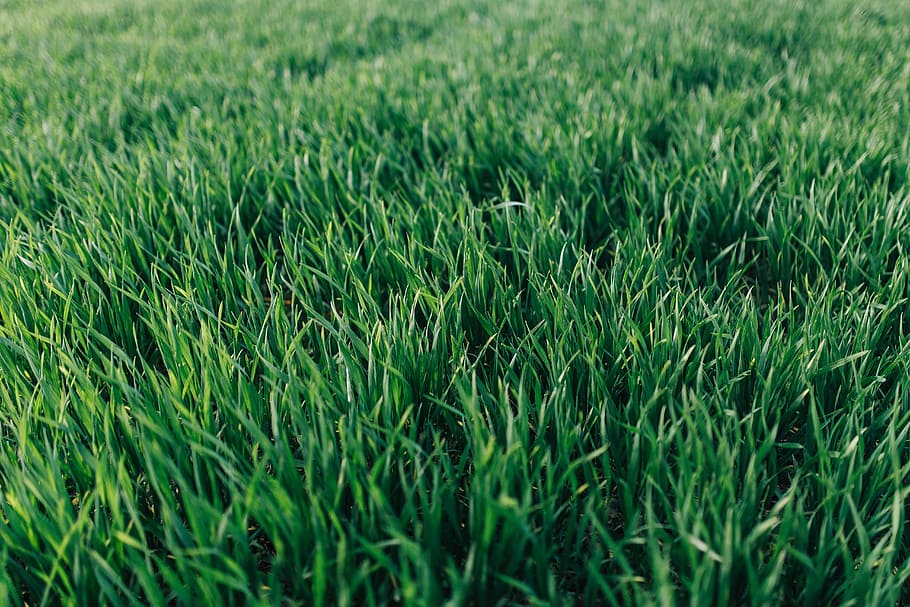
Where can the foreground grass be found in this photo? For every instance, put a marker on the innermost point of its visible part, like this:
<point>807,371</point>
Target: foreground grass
<point>542,303</point>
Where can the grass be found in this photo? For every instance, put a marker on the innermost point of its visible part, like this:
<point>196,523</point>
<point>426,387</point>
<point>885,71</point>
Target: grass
<point>464,303</point>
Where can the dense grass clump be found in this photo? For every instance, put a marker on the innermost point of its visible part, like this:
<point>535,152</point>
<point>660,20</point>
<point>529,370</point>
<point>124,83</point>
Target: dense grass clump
<point>463,302</point>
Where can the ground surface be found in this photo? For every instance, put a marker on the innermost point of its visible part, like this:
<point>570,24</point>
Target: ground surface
<point>526,302</point>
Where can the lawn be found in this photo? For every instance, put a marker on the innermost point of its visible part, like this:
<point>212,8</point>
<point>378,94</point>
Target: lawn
<point>532,302</point>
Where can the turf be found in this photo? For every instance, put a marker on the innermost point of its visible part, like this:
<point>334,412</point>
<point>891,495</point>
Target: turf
<point>470,303</point>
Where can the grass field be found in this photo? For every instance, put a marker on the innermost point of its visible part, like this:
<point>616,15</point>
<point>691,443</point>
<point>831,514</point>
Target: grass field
<point>472,303</point>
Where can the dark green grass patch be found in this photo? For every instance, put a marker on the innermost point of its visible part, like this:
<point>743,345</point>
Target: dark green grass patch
<point>471,303</point>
